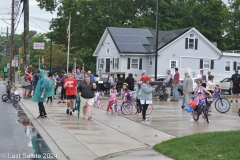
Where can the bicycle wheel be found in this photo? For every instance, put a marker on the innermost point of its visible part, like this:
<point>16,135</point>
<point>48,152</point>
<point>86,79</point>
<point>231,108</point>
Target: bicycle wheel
<point>4,97</point>
<point>126,108</point>
<point>196,116</point>
<point>155,93</point>
<point>16,98</point>
<point>149,109</point>
<point>205,113</point>
<point>222,105</point>
<point>115,109</point>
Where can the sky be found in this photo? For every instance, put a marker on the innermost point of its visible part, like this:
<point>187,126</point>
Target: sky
<point>41,26</point>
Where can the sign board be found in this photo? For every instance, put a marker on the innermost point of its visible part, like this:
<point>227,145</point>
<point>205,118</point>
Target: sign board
<point>5,70</point>
<point>38,45</point>
<point>15,62</point>
<point>8,65</point>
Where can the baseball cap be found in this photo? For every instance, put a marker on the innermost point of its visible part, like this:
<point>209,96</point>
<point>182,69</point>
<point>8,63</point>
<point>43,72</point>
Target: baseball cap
<point>236,70</point>
<point>89,71</point>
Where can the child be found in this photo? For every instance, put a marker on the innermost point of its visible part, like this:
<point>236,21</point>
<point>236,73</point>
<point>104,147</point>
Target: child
<point>124,90</point>
<point>112,93</point>
<point>138,94</point>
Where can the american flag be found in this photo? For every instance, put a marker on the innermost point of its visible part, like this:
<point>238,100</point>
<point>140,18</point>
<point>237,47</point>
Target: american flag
<point>68,32</point>
<point>74,68</point>
<point>26,71</point>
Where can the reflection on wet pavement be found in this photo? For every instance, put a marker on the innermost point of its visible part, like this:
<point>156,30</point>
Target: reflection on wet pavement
<point>40,147</point>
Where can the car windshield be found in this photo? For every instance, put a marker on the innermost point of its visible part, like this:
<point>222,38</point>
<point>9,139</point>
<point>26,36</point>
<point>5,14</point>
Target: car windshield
<point>104,76</point>
<point>225,80</point>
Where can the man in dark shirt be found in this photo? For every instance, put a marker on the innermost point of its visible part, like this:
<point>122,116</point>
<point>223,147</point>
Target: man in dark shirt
<point>175,86</point>
<point>130,81</point>
<point>234,84</point>
<point>86,90</point>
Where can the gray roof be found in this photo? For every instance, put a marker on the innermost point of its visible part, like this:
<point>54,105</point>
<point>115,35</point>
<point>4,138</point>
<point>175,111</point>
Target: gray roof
<point>139,40</point>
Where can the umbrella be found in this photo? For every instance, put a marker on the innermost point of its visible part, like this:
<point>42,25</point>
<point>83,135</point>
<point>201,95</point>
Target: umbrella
<point>79,106</point>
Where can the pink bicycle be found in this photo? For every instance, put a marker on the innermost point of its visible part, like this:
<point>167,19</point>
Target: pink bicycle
<point>97,101</point>
<point>112,103</point>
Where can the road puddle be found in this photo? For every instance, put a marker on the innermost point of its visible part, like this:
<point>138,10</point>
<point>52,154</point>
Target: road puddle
<point>41,149</point>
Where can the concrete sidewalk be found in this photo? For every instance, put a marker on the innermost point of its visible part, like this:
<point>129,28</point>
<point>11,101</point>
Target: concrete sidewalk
<point>103,137</point>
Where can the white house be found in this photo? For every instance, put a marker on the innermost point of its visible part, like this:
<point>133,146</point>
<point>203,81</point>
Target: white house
<point>132,50</point>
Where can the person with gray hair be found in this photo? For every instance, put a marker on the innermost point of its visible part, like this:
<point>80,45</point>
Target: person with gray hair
<point>187,88</point>
<point>168,82</point>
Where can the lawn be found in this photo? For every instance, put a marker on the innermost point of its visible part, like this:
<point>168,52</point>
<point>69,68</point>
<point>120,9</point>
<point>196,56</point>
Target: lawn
<point>206,146</point>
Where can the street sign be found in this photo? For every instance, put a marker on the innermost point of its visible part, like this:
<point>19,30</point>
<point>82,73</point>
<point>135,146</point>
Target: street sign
<point>8,65</point>
<point>15,62</point>
<point>38,45</point>
<point>5,70</point>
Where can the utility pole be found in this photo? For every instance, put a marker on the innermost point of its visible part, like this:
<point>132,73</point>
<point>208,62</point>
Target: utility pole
<point>26,32</point>
<point>156,55</point>
<point>12,42</point>
<point>50,70</point>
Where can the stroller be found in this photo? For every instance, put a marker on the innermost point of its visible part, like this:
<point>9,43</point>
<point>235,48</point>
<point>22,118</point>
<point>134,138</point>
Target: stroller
<point>161,92</point>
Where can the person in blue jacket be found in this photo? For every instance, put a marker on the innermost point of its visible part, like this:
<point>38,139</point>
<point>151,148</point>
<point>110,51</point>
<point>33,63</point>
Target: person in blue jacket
<point>44,89</point>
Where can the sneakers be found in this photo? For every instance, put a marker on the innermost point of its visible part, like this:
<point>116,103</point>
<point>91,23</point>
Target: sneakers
<point>191,120</point>
<point>67,111</point>
<point>90,117</point>
<point>237,101</point>
<point>145,121</point>
<point>60,102</point>
<point>231,101</point>
<point>183,107</point>
<point>70,113</point>
<point>168,99</point>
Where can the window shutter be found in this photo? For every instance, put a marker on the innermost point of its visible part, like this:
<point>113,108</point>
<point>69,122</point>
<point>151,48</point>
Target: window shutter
<point>113,63</point>
<point>128,63</point>
<point>140,64</point>
<point>117,63</point>
<point>196,44</point>
<point>201,63</point>
<point>212,64</point>
<point>234,65</point>
<point>186,43</point>
<point>98,63</point>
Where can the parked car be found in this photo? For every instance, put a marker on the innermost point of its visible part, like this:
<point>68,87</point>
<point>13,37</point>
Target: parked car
<point>102,83</point>
<point>224,85</point>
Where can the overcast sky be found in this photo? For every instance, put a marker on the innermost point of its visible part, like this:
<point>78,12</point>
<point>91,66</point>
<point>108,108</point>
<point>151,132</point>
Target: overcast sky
<point>34,11</point>
<point>40,26</point>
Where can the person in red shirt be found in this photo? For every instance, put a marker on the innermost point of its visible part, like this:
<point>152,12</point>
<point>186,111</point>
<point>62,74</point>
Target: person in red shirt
<point>175,86</point>
<point>70,84</point>
<point>143,76</point>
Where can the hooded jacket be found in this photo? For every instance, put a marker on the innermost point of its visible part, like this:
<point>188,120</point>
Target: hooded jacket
<point>43,83</point>
<point>187,84</point>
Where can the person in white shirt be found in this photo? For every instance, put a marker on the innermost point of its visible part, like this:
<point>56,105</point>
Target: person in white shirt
<point>210,85</point>
<point>202,77</point>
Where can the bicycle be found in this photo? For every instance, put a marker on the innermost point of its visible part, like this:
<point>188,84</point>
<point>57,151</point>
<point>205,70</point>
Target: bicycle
<point>201,108</point>
<point>222,105</point>
<point>97,102</point>
<point>113,103</point>
<point>128,103</point>
<point>13,96</point>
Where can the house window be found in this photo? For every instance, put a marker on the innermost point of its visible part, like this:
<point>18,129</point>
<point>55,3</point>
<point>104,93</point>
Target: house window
<point>227,66</point>
<point>134,63</point>
<point>101,66</point>
<point>115,63</point>
<point>150,61</point>
<point>206,64</point>
<point>238,65</point>
<point>173,64</point>
<point>191,43</point>
<point>108,51</point>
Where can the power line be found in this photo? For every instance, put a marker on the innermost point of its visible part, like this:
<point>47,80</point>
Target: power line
<point>41,19</point>
<point>38,25</point>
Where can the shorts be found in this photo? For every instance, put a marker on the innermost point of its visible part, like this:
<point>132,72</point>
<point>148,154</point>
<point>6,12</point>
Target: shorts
<point>168,90</point>
<point>71,97</point>
<point>85,101</point>
<point>235,89</point>
<point>26,87</point>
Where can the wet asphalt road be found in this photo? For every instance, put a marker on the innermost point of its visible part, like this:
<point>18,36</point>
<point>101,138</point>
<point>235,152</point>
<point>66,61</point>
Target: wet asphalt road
<point>14,140</point>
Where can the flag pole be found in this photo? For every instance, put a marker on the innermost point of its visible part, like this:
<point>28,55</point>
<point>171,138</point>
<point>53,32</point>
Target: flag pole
<point>69,33</point>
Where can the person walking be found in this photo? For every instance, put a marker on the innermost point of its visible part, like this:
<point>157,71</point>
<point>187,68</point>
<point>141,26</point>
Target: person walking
<point>187,88</point>
<point>86,91</point>
<point>146,97</point>
<point>202,77</point>
<point>35,80</point>
<point>70,84</point>
<point>130,81</point>
<point>25,86</point>
<point>43,90</point>
<point>235,85</point>
<point>51,77</point>
<point>110,81</point>
<point>175,86</point>
<point>63,91</point>
<point>168,81</point>
<point>79,76</point>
